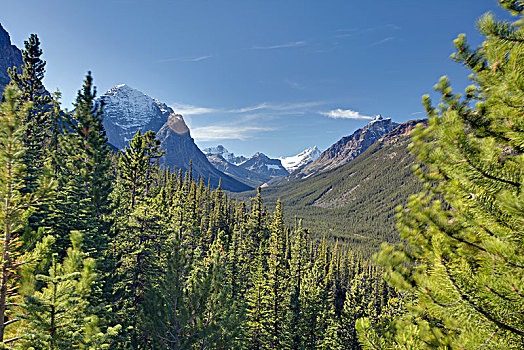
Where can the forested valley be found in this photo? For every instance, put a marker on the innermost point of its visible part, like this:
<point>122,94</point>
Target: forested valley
<point>107,249</point>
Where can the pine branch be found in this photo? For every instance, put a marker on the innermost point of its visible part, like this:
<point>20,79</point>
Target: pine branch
<point>477,308</point>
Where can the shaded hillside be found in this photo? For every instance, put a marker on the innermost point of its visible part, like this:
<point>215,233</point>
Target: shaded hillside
<point>356,201</point>
<point>181,149</point>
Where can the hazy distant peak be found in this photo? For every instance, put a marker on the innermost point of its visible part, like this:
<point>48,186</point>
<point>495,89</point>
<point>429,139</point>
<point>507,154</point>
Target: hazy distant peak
<point>224,153</point>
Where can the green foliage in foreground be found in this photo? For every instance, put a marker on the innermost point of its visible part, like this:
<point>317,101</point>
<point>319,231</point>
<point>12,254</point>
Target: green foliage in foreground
<point>463,263</point>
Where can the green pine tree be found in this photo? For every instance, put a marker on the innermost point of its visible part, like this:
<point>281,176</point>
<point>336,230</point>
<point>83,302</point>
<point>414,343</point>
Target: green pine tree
<point>192,308</point>
<point>276,283</point>
<point>35,123</point>
<point>255,314</point>
<point>59,315</point>
<point>17,205</point>
<point>84,178</point>
<point>464,261</point>
<point>137,164</point>
<point>294,313</point>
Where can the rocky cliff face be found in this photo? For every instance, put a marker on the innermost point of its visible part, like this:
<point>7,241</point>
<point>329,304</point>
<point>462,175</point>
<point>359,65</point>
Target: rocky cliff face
<point>181,150</point>
<point>404,129</point>
<point>347,148</point>
<point>10,56</point>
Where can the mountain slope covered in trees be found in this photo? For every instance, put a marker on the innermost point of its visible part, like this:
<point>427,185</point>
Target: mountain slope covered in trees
<point>356,202</point>
<point>344,150</point>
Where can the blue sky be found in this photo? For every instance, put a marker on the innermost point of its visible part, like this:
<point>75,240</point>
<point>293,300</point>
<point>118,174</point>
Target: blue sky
<point>269,76</point>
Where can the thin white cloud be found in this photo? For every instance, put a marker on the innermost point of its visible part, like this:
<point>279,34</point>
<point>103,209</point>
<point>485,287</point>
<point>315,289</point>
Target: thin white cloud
<point>220,132</point>
<point>264,108</point>
<point>200,58</point>
<point>186,59</point>
<point>385,40</point>
<point>187,110</point>
<point>277,107</point>
<point>250,108</point>
<point>281,46</point>
<point>345,114</point>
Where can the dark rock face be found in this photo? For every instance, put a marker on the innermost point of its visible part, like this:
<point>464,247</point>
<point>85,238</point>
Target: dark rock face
<point>181,150</point>
<point>347,148</point>
<point>262,164</point>
<point>10,56</point>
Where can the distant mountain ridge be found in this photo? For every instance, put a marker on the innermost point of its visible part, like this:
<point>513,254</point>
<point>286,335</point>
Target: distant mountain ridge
<point>127,110</point>
<point>250,178</point>
<point>258,169</point>
<point>224,153</point>
<point>262,164</point>
<point>347,148</point>
<point>10,56</point>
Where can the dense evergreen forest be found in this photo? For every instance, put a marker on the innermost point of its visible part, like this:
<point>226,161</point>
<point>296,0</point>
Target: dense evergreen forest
<point>354,203</point>
<point>105,249</point>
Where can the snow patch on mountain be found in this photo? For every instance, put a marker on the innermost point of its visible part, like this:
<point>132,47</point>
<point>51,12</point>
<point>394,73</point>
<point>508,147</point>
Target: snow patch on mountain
<point>300,160</point>
<point>273,166</point>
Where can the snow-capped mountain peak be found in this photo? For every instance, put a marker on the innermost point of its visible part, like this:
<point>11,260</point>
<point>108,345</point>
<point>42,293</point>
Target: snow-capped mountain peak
<point>300,160</point>
<point>126,110</point>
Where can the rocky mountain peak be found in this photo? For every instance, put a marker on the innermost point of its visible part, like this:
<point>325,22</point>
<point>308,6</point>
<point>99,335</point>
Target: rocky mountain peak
<point>403,130</point>
<point>176,123</point>
<point>260,155</point>
<point>262,164</point>
<point>126,110</point>
<point>224,153</point>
